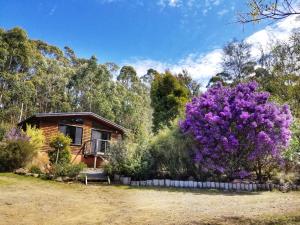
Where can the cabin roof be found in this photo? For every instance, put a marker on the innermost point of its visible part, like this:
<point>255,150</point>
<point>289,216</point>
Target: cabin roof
<point>67,114</point>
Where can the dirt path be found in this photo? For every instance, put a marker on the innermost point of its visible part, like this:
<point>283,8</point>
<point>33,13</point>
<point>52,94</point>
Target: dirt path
<point>25,200</point>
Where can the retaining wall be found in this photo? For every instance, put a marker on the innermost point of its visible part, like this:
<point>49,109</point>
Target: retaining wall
<point>230,186</point>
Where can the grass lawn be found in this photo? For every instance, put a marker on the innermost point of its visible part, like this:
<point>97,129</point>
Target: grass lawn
<point>28,200</point>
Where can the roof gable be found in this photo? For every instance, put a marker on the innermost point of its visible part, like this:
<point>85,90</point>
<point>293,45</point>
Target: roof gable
<point>66,114</point>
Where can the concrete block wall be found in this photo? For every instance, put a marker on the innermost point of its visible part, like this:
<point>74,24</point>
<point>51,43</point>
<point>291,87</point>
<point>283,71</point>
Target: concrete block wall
<point>227,186</point>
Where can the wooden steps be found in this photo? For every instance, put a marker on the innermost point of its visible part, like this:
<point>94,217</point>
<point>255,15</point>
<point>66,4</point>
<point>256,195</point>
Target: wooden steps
<point>94,175</point>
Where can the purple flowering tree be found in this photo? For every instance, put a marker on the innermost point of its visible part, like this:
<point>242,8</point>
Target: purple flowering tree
<point>237,130</point>
<point>16,134</point>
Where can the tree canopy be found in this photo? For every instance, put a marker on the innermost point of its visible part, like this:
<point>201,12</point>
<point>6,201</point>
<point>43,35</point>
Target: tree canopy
<point>168,96</point>
<point>237,130</point>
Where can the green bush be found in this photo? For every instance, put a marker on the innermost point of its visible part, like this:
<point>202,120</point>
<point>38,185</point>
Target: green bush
<point>2,133</point>
<point>37,138</point>
<point>67,170</point>
<point>4,128</point>
<point>172,154</point>
<point>64,156</point>
<point>35,169</point>
<point>117,158</point>
<point>167,155</point>
<point>129,159</point>
<point>292,154</point>
<point>60,145</point>
<point>15,154</point>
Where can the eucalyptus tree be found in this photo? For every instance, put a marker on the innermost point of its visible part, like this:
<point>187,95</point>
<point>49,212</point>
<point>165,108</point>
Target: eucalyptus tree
<point>168,96</point>
<point>237,62</point>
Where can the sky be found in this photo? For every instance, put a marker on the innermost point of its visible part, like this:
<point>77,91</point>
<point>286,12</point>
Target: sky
<point>159,34</point>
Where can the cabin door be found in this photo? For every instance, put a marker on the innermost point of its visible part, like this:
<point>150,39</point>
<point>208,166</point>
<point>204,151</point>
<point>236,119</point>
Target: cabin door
<point>96,141</point>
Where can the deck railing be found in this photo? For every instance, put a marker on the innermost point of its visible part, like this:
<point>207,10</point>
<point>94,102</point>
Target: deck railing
<point>96,147</point>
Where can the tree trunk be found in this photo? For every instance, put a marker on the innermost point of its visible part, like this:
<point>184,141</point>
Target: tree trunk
<point>57,154</point>
<point>21,113</point>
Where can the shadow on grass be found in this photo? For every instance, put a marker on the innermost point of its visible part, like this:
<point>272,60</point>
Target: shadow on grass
<point>191,190</point>
<point>271,220</point>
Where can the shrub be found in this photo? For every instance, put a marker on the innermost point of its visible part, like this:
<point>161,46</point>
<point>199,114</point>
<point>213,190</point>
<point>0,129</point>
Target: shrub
<point>37,138</point>
<point>168,155</point>
<point>237,130</point>
<point>2,133</point>
<point>292,154</point>
<point>16,134</point>
<point>73,170</point>
<point>129,159</point>
<point>41,160</point>
<point>15,154</point>
<point>117,158</point>
<point>171,154</point>
<point>69,170</point>
<point>4,128</point>
<point>60,153</point>
<point>35,169</point>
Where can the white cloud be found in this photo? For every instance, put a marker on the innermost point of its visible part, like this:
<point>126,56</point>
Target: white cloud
<point>200,66</point>
<point>171,3</point>
<point>222,12</point>
<point>108,1</point>
<point>52,11</point>
<point>280,31</point>
<point>203,66</point>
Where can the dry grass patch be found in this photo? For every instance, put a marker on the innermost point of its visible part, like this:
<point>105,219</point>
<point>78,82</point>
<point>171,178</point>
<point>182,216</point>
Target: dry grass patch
<point>27,200</point>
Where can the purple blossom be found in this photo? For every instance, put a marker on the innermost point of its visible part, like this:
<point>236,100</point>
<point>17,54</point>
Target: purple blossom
<point>244,115</point>
<point>236,122</point>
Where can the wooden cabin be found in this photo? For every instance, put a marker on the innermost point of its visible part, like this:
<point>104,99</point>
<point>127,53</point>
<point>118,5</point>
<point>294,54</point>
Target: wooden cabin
<point>90,133</point>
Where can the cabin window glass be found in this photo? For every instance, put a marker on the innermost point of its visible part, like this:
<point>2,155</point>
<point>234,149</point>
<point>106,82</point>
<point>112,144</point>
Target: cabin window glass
<point>75,133</point>
<point>105,135</point>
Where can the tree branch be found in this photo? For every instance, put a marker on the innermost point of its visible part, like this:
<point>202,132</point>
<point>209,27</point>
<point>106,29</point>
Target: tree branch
<point>259,11</point>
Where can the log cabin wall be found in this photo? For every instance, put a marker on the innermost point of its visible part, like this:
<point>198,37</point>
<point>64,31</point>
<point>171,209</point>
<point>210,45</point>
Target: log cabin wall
<point>50,127</point>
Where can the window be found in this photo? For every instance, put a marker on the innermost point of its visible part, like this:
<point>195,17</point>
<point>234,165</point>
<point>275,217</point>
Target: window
<point>75,133</point>
<point>105,135</point>
<point>100,141</point>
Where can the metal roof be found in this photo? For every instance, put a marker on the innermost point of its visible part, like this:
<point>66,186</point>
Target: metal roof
<point>91,114</point>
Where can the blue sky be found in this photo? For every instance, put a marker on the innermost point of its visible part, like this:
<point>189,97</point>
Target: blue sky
<point>156,33</point>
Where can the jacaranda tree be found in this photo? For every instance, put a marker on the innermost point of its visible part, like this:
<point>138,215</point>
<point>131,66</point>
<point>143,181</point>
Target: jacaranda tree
<point>238,130</point>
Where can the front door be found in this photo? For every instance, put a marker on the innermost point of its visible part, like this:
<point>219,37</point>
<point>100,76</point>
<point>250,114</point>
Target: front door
<point>96,141</point>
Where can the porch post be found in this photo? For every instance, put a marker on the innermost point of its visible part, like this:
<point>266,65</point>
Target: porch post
<point>95,162</point>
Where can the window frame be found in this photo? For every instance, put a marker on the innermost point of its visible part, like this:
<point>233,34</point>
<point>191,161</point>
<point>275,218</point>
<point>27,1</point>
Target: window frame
<point>72,144</point>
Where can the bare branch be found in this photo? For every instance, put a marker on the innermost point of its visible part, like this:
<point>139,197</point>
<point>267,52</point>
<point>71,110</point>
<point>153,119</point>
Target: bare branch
<point>261,10</point>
